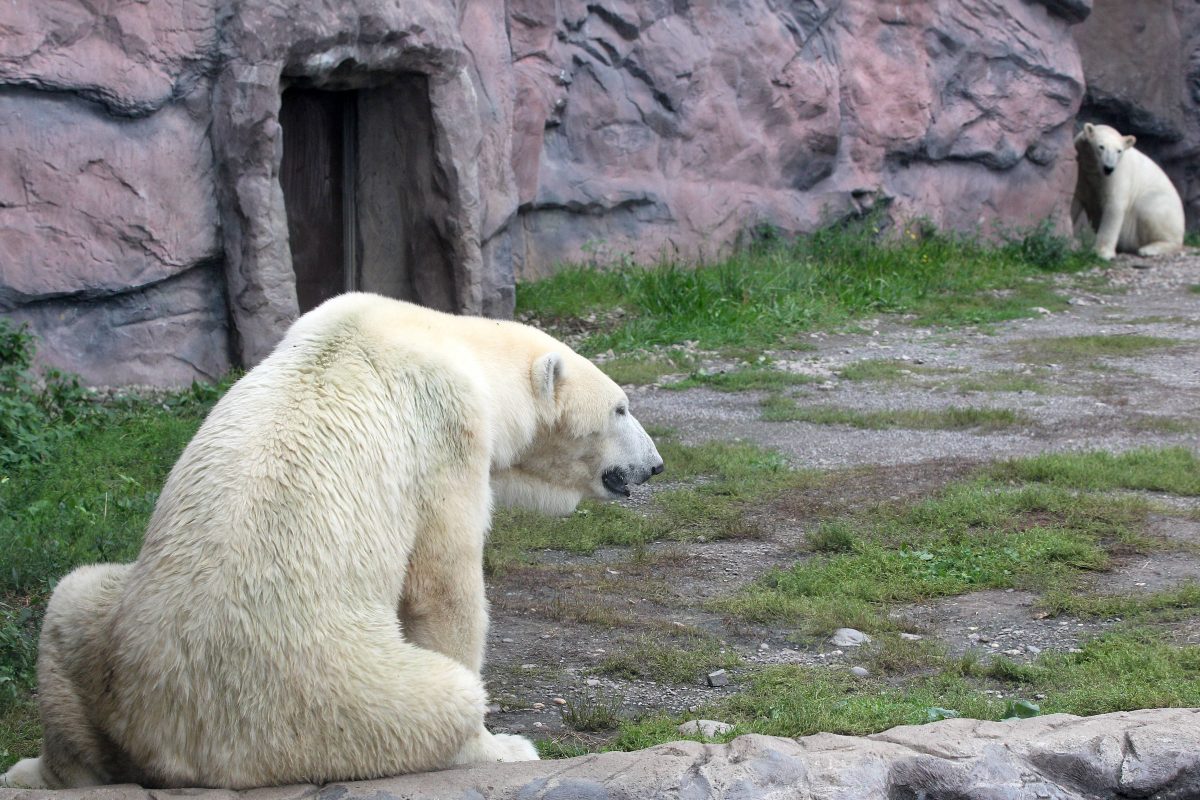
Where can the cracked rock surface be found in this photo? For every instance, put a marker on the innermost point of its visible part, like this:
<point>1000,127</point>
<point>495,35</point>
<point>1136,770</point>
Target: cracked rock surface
<point>1149,754</point>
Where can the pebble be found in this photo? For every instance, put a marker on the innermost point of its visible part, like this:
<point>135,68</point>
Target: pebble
<point>911,637</point>
<point>764,646</point>
<point>558,701</point>
<point>860,672</point>
<point>1013,652</point>
<point>849,637</point>
<point>1033,649</point>
<point>592,682</point>
<point>507,640</point>
<point>718,678</point>
<point>538,706</point>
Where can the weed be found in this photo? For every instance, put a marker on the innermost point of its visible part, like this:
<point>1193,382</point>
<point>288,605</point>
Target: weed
<point>1154,605</point>
<point>888,369</point>
<point>759,377</point>
<point>592,713</point>
<point>835,536</point>
<point>1003,382</point>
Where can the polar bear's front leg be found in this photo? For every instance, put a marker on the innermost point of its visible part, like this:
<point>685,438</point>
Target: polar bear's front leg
<point>444,607</point>
<point>1109,231</point>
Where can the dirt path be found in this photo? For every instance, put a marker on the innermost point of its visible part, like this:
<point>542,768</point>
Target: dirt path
<point>556,622</point>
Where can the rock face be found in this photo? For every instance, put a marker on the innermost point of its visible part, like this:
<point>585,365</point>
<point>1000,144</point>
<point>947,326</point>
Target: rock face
<point>1151,754</point>
<point>152,152</point>
<point>1142,66</point>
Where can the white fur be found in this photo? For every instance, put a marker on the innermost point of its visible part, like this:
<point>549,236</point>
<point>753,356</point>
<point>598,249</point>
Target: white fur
<point>1129,201</point>
<point>308,604</point>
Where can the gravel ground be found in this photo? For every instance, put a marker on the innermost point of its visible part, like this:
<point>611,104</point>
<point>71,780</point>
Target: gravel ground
<point>538,653</point>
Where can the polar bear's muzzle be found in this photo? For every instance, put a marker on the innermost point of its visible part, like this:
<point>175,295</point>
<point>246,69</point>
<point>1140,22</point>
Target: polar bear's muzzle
<point>616,480</point>
<point>1108,170</point>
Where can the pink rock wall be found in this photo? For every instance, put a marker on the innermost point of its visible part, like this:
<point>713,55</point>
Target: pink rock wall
<point>667,128</point>
<point>143,232</point>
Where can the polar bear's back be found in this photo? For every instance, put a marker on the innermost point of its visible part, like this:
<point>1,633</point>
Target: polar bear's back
<point>281,526</point>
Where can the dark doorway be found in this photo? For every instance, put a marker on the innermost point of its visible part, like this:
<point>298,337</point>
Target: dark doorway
<point>318,135</point>
<point>366,201</point>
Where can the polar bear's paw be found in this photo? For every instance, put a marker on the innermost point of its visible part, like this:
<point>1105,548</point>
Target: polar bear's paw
<point>27,774</point>
<point>489,748</point>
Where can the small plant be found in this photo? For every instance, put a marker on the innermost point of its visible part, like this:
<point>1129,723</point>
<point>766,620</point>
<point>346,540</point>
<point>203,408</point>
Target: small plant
<point>836,536</point>
<point>600,713</point>
<point>33,413</point>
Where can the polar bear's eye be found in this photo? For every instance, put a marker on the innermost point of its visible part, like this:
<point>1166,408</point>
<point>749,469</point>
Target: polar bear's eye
<point>622,411</point>
<point>1101,147</point>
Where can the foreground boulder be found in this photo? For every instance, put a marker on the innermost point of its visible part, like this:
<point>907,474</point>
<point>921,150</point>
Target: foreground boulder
<point>1152,754</point>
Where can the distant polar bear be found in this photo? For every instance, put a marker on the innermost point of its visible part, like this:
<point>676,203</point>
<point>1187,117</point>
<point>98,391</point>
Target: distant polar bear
<point>1129,201</point>
<point>308,604</point>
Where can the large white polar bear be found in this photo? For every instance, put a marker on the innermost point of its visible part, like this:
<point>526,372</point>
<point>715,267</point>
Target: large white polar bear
<point>1129,201</point>
<point>308,604</point>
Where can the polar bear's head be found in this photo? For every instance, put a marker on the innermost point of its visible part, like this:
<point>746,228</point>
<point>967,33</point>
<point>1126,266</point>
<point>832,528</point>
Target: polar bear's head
<point>586,443</point>
<point>1107,145</point>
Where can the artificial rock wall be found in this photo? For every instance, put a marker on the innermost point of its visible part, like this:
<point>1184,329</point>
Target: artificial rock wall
<point>143,227</point>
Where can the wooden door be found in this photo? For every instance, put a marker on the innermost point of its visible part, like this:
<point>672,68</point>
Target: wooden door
<point>313,175</point>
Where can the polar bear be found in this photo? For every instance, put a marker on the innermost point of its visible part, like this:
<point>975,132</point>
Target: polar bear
<point>308,604</point>
<point>1128,199</point>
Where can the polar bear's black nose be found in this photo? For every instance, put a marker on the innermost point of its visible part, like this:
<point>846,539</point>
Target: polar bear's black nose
<point>1109,170</point>
<point>657,469</point>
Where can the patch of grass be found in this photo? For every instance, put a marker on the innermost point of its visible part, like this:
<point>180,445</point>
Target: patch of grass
<point>641,370</point>
<point>785,409</point>
<point>20,732</point>
<point>890,654</point>
<point>561,748</point>
<point>1154,423</point>
<point>1194,288</point>
<point>973,535</point>
<point>1116,672</point>
<point>770,292</point>
<point>1085,348</point>
<point>751,378</point>
<point>1125,606</point>
<point>592,714</point>
<point>1173,469</point>
<point>651,659</point>
<point>888,369</point>
<point>1003,382</point>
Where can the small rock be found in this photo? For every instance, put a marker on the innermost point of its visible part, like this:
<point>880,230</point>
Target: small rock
<point>507,640</point>
<point>911,637</point>
<point>705,727</point>
<point>558,701</point>
<point>718,678</point>
<point>592,682</point>
<point>1033,649</point>
<point>1013,652</point>
<point>849,637</point>
<point>494,708</point>
<point>538,706</point>
<point>860,672</point>
<point>529,666</point>
<point>764,646</point>
<point>539,725</point>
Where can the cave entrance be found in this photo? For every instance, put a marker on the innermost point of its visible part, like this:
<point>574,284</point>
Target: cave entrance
<point>365,199</point>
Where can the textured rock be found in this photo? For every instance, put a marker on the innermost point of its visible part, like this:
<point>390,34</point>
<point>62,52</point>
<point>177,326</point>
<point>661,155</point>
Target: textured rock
<point>141,141</point>
<point>1153,753</point>
<point>666,128</point>
<point>1142,66</point>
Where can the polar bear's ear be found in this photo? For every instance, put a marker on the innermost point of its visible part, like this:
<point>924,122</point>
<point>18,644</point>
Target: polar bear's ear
<point>1130,141</point>
<point>1090,130</point>
<point>547,372</point>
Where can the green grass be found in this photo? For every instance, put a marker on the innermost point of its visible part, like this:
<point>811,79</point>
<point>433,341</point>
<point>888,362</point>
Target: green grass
<point>1116,672</point>
<point>756,378</point>
<point>973,535</point>
<point>1005,381</point>
<point>888,370</point>
<point>642,370</point>
<point>785,409</point>
<point>1172,469</point>
<point>1085,348</point>
<point>1155,605</point>
<point>652,659</point>
<point>769,293</point>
